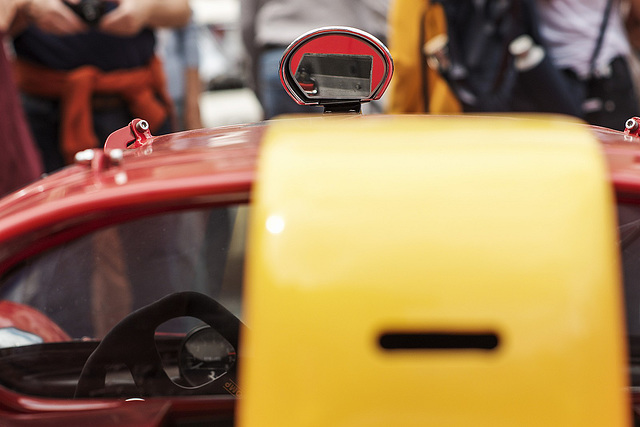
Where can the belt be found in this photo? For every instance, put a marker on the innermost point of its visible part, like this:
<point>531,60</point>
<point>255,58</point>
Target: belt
<point>107,102</point>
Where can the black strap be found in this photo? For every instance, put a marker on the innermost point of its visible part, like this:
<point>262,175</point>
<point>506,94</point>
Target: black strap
<point>603,27</point>
<point>424,68</point>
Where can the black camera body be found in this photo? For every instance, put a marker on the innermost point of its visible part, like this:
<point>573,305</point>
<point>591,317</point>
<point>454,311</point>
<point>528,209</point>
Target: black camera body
<point>91,11</point>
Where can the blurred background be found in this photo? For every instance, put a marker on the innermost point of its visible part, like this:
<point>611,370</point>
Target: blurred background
<point>239,44</point>
<point>225,98</point>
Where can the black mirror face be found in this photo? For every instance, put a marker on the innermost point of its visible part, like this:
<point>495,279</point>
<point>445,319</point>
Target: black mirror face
<point>336,65</point>
<point>334,76</point>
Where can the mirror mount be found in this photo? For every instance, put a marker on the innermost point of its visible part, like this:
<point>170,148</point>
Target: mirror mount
<point>336,67</point>
<point>343,107</point>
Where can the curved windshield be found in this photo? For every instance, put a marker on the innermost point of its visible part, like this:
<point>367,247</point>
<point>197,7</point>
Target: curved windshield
<point>629,235</point>
<point>148,307</point>
<point>153,307</point>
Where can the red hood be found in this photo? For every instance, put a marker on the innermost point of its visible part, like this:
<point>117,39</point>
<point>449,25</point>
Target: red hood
<point>220,156</point>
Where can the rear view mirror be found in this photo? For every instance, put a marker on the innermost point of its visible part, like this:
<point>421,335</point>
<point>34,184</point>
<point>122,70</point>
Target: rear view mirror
<point>337,67</point>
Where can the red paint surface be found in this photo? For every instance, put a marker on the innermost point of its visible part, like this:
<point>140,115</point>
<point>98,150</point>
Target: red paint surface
<point>30,320</point>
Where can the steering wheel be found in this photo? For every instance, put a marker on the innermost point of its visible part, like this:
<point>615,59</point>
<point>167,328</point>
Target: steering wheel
<point>132,343</point>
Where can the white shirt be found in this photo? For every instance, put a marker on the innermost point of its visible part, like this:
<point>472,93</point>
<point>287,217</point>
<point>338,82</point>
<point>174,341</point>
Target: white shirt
<point>571,29</point>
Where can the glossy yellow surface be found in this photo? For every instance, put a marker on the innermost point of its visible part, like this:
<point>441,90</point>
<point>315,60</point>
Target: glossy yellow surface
<point>416,224</point>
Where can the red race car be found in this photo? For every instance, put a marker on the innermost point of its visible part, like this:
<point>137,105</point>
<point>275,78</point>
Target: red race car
<point>335,269</point>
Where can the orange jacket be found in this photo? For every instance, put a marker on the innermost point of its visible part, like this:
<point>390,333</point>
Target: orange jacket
<point>416,88</point>
<point>139,88</point>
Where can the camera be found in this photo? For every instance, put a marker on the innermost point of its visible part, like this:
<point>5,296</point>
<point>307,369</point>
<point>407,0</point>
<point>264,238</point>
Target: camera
<point>89,10</point>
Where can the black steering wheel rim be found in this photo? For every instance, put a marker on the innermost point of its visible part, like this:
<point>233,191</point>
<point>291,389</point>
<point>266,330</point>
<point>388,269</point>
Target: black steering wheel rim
<point>132,343</point>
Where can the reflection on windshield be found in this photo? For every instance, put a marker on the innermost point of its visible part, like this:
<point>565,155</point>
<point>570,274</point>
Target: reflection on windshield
<point>85,287</point>
<point>629,235</point>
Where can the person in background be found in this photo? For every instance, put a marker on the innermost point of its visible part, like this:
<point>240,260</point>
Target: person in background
<point>415,87</point>
<point>84,73</point>
<point>269,26</point>
<point>178,48</point>
<point>20,161</point>
<point>588,42</point>
<point>584,39</point>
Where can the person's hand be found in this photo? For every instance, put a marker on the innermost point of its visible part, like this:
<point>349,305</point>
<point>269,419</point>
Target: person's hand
<point>132,16</point>
<point>127,19</point>
<point>53,16</point>
<point>8,9</point>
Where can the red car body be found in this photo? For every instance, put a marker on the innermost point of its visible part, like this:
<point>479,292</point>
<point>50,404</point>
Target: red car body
<point>173,172</point>
<point>204,168</point>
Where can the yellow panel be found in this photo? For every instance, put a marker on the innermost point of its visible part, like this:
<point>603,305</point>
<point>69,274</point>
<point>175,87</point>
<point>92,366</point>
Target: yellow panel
<point>364,226</point>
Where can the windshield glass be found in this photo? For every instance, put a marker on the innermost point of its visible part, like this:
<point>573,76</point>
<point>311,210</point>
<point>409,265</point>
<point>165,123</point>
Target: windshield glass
<point>148,307</point>
<point>629,234</point>
<point>153,307</point>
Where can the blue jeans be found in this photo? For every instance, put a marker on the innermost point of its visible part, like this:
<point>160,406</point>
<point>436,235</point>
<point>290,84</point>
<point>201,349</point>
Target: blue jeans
<point>274,99</point>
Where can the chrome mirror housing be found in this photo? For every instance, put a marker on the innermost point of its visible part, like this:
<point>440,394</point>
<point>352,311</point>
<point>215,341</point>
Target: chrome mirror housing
<point>337,67</point>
